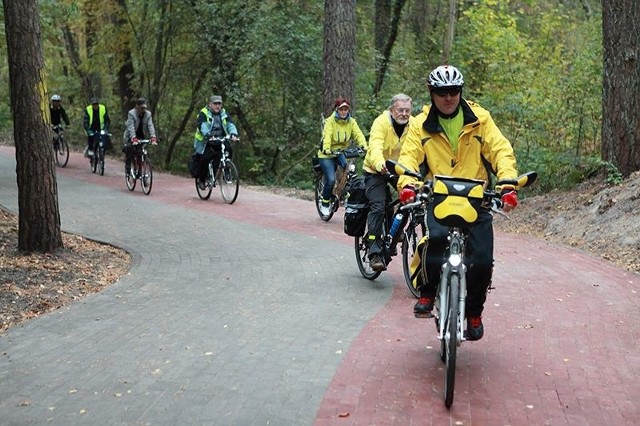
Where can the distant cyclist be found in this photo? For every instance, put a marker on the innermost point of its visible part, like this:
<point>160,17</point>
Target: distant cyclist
<point>96,119</point>
<point>213,120</point>
<point>388,132</point>
<point>339,130</point>
<point>139,125</point>
<point>57,112</point>
<point>457,137</point>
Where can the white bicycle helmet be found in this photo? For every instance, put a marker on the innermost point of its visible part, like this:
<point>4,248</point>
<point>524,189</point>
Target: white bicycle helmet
<point>445,76</point>
<point>56,98</point>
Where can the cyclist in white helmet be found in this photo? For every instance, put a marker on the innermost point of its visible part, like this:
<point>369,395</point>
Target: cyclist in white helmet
<point>456,137</point>
<point>58,114</point>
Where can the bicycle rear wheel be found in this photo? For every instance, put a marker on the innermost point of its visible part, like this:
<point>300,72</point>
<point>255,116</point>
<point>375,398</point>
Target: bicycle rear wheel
<point>130,178</point>
<point>62,152</point>
<point>451,339</point>
<point>146,176</point>
<point>204,193</point>
<point>229,182</point>
<point>362,258</point>
<point>412,236</point>
<point>319,188</point>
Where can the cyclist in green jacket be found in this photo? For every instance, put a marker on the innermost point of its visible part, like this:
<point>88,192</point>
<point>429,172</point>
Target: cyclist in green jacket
<point>96,119</point>
<point>339,130</point>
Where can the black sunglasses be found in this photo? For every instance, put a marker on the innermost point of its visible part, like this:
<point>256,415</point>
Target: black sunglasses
<point>444,91</point>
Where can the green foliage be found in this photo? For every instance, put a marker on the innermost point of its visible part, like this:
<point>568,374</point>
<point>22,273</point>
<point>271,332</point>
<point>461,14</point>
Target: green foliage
<point>537,66</point>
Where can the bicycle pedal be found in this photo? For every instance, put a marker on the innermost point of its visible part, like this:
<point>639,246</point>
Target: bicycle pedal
<point>424,315</point>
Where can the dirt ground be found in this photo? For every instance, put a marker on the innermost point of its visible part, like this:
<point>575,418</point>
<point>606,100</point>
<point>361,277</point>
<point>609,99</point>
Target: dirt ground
<point>597,218</point>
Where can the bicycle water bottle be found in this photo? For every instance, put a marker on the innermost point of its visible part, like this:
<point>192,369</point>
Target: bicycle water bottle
<point>395,225</point>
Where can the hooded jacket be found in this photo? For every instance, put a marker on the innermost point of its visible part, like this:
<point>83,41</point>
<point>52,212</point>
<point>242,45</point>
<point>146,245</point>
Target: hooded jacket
<point>482,148</point>
<point>337,133</point>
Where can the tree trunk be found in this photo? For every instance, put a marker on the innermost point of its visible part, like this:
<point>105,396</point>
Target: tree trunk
<point>621,85</point>
<point>38,213</point>
<point>384,55</point>
<point>451,30</point>
<point>126,91</point>
<point>339,52</point>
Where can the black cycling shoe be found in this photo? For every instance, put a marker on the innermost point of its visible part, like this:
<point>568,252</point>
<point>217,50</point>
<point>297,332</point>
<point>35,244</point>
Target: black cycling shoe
<point>475,329</point>
<point>423,307</point>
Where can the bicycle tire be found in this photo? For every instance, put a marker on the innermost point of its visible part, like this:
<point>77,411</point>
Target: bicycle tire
<point>146,175</point>
<point>451,338</point>
<point>229,182</point>
<point>362,258</point>
<point>409,249</point>
<point>62,152</point>
<point>318,197</point>
<point>129,178</point>
<point>205,193</point>
<point>101,161</point>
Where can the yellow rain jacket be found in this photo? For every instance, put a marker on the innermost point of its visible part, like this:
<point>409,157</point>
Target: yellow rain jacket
<point>482,148</point>
<point>337,134</point>
<point>384,143</point>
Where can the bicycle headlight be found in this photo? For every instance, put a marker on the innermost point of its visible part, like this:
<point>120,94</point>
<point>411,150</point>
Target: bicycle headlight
<point>352,168</point>
<point>455,259</point>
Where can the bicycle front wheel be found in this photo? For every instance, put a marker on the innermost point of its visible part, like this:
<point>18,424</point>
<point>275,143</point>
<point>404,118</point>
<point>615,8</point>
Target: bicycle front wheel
<point>229,182</point>
<point>362,258</point>
<point>62,152</point>
<point>101,161</point>
<point>412,236</point>
<point>451,339</point>
<point>146,176</point>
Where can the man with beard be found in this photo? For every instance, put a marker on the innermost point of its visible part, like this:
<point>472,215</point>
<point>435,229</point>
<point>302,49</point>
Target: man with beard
<point>388,133</point>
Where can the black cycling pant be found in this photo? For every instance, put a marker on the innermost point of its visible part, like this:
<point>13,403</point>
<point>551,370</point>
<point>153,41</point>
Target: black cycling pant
<point>378,194</point>
<point>478,258</point>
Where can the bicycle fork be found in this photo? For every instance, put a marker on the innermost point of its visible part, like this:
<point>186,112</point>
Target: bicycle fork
<point>454,266</point>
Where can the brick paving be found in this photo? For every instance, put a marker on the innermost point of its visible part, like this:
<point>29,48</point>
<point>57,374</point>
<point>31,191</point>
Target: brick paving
<point>255,314</point>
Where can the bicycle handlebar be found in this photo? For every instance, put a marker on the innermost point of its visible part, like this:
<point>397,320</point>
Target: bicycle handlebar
<point>349,152</point>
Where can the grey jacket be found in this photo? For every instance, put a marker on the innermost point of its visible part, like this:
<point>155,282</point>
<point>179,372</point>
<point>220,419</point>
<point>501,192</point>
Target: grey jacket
<point>133,120</point>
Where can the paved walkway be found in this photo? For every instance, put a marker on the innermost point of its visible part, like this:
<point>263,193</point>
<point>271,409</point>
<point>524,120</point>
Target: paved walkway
<point>255,314</point>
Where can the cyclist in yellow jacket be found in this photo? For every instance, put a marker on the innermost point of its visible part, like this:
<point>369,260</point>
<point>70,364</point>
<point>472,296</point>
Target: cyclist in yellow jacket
<point>456,137</point>
<point>96,118</point>
<point>339,130</point>
<point>388,132</point>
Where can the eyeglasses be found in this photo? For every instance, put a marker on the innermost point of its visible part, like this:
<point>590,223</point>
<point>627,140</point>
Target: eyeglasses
<point>403,110</point>
<point>217,103</point>
<point>444,91</point>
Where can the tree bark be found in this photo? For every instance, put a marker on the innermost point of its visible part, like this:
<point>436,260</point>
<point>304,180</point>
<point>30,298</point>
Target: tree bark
<point>451,30</point>
<point>339,52</point>
<point>621,85</point>
<point>384,55</point>
<point>38,212</point>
